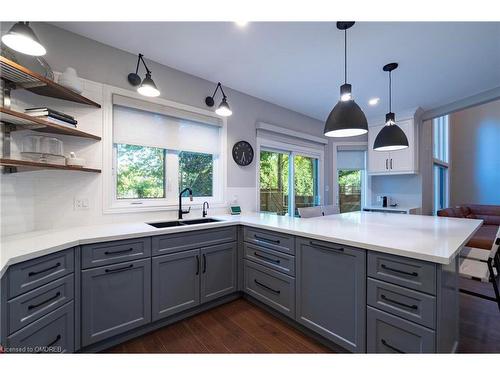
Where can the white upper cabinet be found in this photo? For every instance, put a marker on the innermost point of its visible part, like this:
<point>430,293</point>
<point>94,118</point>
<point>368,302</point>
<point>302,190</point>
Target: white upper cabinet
<point>394,162</point>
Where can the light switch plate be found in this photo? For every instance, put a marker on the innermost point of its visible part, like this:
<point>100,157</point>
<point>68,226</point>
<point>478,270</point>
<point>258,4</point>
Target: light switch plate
<point>80,204</point>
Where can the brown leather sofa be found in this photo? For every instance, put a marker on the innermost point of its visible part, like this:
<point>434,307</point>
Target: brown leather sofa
<point>484,237</point>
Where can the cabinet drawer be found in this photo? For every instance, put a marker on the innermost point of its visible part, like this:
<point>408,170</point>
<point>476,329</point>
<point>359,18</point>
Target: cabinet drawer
<point>270,287</point>
<point>406,303</point>
<point>29,275</point>
<point>273,259</point>
<point>410,273</point>
<point>272,240</point>
<point>54,333</point>
<point>172,243</point>
<point>35,304</point>
<point>104,253</point>
<point>389,334</point>
<point>115,299</point>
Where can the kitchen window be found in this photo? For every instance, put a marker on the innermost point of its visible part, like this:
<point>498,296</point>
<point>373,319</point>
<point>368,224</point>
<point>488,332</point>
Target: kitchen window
<point>159,150</point>
<point>440,153</point>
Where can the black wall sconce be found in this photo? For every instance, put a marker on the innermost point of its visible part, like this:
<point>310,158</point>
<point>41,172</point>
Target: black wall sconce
<point>147,87</point>
<point>223,108</point>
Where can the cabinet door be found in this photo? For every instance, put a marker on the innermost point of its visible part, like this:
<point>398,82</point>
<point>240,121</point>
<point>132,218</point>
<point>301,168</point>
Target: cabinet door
<point>331,292</point>
<point>176,283</point>
<point>115,299</point>
<point>378,161</point>
<point>218,276</point>
<point>403,160</point>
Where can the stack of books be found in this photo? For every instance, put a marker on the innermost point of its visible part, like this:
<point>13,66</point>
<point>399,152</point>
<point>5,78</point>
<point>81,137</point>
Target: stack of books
<point>51,115</point>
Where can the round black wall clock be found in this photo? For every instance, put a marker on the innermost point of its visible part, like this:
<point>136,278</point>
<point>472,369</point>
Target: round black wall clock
<point>242,153</point>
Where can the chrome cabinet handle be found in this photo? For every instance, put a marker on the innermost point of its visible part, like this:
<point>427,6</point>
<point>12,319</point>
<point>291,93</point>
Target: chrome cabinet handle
<point>399,271</point>
<point>391,347</point>
<point>31,307</point>
<point>277,261</point>
<point>266,287</point>
<point>197,265</point>
<point>118,251</point>
<point>413,307</point>
<point>33,273</point>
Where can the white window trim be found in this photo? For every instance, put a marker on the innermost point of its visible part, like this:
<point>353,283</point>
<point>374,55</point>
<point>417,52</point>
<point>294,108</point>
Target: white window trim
<point>112,206</point>
<point>264,144</point>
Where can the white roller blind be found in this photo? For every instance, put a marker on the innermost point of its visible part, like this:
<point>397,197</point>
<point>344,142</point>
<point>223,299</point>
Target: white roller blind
<point>132,125</point>
<point>351,159</point>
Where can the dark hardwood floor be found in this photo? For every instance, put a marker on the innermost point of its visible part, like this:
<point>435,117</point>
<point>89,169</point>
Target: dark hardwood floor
<point>236,327</point>
<point>241,327</point>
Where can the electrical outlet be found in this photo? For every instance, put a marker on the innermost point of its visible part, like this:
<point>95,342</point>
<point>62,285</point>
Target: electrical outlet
<point>80,204</point>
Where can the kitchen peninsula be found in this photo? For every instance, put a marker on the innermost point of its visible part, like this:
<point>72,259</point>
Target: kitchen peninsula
<point>363,282</point>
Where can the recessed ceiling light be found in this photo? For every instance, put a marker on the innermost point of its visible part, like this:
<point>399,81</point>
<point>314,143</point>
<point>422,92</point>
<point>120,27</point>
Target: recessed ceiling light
<point>373,101</point>
<point>241,23</point>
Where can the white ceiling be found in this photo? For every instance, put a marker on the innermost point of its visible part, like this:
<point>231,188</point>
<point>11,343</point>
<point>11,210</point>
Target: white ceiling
<point>299,65</point>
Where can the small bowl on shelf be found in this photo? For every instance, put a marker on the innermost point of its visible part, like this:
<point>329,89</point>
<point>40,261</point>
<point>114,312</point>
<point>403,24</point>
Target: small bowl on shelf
<point>73,161</point>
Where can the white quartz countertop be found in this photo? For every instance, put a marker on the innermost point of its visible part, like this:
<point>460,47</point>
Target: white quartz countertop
<point>389,208</point>
<point>433,239</point>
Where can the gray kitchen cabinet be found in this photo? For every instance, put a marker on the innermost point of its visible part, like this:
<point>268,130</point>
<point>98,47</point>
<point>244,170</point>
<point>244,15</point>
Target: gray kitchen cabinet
<point>331,291</point>
<point>218,271</point>
<point>175,283</point>
<point>389,334</point>
<point>115,299</point>
<point>54,333</point>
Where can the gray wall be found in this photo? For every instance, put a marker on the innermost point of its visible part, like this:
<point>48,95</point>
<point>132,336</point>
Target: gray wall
<point>105,64</point>
<point>475,155</point>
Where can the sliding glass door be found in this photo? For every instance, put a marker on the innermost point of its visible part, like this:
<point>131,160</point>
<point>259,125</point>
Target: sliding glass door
<point>288,180</point>
<point>274,180</point>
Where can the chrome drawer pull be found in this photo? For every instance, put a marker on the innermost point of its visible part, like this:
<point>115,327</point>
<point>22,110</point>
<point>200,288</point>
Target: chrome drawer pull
<point>31,307</point>
<point>109,270</point>
<point>277,261</point>
<point>118,251</point>
<point>391,347</point>
<point>33,273</point>
<point>319,246</point>
<point>263,239</point>
<point>399,271</point>
<point>413,307</point>
<point>266,287</point>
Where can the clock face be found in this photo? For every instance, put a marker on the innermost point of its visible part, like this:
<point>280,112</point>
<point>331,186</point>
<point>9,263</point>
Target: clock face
<point>242,153</point>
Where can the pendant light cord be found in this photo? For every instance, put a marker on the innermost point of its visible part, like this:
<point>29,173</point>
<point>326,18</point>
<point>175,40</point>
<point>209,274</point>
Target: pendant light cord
<point>345,56</point>
<point>390,91</point>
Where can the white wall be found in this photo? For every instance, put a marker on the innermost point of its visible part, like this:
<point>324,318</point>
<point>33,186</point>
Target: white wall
<point>44,199</point>
<point>475,155</point>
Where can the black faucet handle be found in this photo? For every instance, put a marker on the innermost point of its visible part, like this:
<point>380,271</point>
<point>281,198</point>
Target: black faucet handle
<point>187,211</point>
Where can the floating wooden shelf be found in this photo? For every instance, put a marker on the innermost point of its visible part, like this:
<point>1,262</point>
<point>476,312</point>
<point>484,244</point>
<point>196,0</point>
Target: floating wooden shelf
<point>24,78</point>
<point>30,165</point>
<point>22,120</point>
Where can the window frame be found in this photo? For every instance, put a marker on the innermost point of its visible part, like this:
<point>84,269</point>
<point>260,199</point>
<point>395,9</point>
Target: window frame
<point>264,144</point>
<point>443,148</point>
<point>111,204</point>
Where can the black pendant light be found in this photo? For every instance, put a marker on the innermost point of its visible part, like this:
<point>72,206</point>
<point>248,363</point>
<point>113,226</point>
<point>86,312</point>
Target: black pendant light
<point>391,137</point>
<point>22,38</point>
<point>147,86</point>
<point>346,119</point>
